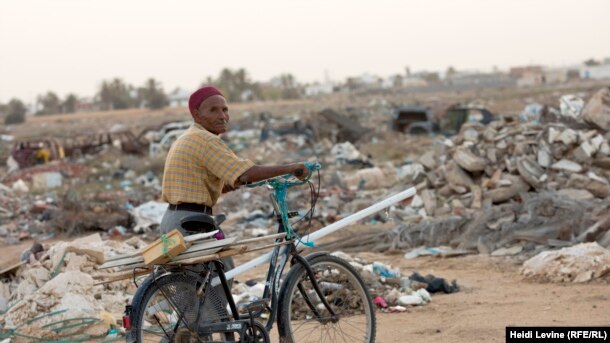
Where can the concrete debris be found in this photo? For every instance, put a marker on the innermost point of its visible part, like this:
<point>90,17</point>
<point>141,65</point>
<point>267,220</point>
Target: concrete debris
<point>580,263</point>
<point>469,161</point>
<point>545,219</point>
<point>346,152</point>
<point>571,105</point>
<point>59,287</point>
<point>567,165</point>
<point>597,111</point>
<point>515,185</point>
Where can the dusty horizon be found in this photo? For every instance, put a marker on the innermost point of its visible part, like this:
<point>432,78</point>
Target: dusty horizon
<point>68,46</point>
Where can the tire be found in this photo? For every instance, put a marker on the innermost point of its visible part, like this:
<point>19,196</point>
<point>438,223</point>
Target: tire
<point>297,323</point>
<point>157,319</point>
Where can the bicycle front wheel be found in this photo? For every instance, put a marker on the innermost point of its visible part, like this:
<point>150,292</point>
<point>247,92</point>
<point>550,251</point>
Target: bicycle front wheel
<point>304,318</point>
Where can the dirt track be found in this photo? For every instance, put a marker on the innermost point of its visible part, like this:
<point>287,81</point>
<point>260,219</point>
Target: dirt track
<point>493,296</point>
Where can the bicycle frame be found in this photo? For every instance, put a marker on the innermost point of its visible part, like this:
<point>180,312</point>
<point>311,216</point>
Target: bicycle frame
<point>272,282</point>
<point>277,263</point>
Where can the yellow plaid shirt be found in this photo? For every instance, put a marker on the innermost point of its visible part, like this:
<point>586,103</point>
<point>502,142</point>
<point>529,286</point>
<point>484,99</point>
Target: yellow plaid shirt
<point>197,167</point>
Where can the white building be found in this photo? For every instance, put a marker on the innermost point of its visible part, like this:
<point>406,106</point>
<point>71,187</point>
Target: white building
<point>178,98</point>
<point>319,89</point>
<point>595,72</point>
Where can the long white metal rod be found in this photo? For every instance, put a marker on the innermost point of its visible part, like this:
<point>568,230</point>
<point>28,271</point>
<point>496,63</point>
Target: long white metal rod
<point>387,202</point>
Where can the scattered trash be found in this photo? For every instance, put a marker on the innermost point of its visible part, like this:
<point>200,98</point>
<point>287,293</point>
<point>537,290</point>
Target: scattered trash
<point>571,106</point>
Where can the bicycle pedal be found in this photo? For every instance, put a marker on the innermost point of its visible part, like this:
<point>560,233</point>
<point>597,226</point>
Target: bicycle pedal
<point>256,305</point>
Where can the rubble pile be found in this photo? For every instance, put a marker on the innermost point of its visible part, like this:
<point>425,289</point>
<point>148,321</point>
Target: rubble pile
<point>542,221</point>
<point>493,164</point>
<point>53,296</point>
<point>579,263</point>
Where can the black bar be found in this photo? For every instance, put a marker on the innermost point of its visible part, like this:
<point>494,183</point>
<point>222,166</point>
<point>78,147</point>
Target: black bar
<point>557,333</point>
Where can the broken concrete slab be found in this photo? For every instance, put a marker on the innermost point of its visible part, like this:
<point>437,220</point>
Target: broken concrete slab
<point>597,110</point>
<point>568,137</point>
<point>429,198</point>
<point>584,152</point>
<point>567,165</point>
<point>428,160</point>
<point>518,185</point>
<point>599,188</point>
<point>530,171</point>
<point>468,160</point>
<point>580,263</point>
<point>457,177</point>
<point>575,194</point>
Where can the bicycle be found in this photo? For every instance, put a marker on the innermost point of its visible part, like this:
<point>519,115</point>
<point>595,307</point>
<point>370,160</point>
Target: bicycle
<point>322,297</point>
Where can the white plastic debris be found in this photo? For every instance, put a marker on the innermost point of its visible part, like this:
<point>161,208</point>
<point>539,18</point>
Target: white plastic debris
<point>571,105</point>
<point>148,214</point>
<point>345,151</point>
<point>20,186</point>
<point>413,299</point>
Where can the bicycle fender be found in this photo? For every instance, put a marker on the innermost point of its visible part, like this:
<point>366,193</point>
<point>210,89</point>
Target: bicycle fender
<point>316,254</point>
<point>310,256</point>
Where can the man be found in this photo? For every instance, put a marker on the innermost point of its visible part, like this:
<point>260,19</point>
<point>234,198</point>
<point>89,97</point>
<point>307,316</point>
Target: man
<point>200,166</point>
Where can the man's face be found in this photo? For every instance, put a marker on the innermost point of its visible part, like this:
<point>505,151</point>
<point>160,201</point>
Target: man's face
<point>213,114</point>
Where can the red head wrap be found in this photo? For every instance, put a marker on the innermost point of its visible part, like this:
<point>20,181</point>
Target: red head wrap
<point>200,95</point>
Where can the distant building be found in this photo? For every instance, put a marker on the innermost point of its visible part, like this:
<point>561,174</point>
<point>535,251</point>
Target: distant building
<point>518,72</point>
<point>560,75</point>
<point>429,77</point>
<point>86,105</point>
<point>531,78</point>
<point>414,82</point>
<point>394,81</point>
<point>595,72</point>
<point>479,79</point>
<point>178,98</point>
<point>368,80</point>
<point>319,89</point>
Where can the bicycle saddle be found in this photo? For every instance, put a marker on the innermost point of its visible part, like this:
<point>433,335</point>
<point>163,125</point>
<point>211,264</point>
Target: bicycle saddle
<point>202,222</point>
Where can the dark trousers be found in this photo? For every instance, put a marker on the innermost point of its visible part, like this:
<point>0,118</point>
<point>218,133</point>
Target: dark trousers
<point>171,220</point>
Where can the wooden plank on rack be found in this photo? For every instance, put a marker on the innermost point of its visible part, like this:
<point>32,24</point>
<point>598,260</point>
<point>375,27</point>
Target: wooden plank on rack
<point>121,262</point>
<point>225,253</point>
<point>200,236</point>
<point>210,245</point>
<point>138,261</point>
<point>120,276</point>
<point>235,250</point>
<point>205,252</point>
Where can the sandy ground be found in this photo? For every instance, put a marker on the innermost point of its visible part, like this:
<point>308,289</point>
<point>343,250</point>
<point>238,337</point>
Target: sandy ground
<point>493,295</point>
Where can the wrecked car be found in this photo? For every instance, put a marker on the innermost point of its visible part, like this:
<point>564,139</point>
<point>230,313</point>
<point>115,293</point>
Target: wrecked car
<point>30,152</point>
<point>417,119</point>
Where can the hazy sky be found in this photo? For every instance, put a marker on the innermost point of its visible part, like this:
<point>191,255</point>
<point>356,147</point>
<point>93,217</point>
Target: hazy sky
<point>72,45</point>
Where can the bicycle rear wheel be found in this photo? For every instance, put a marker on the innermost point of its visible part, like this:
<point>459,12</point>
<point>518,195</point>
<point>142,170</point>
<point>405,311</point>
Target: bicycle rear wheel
<point>304,318</point>
<point>166,310</point>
